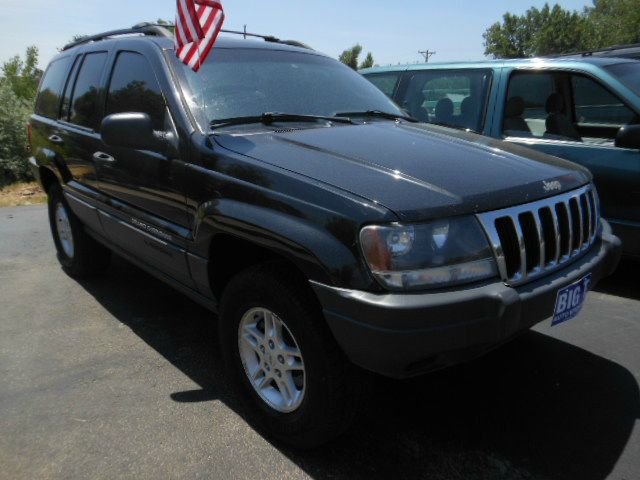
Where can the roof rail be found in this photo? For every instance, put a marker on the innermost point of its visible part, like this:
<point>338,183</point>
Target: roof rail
<point>590,53</point>
<point>141,28</point>
<point>269,38</point>
<point>165,31</point>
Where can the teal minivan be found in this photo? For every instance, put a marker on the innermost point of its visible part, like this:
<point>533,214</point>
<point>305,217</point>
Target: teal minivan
<point>584,109</point>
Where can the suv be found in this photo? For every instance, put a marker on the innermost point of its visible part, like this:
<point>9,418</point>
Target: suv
<point>586,110</point>
<point>331,234</point>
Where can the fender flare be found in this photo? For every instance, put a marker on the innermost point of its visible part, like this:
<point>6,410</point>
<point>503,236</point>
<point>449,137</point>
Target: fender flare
<point>321,256</point>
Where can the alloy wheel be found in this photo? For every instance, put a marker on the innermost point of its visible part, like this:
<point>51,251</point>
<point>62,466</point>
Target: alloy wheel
<point>272,359</point>
<point>63,228</point>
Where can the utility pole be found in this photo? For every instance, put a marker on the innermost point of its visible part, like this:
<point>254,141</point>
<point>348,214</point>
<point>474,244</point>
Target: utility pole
<point>245,31</point>
<point>427,54</point>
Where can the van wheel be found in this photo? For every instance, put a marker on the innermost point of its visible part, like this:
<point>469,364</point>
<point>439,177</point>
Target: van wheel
<point>282,359</point>
<point>78,253</point>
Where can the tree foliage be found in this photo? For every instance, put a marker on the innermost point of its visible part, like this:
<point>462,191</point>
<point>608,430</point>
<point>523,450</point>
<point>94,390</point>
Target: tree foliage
<point>368,61</point>
<point>351,57</point>
<point>23,76</point>
<point>13,136</point>
<point>613,22</point>
<point>554,30</point>
<point>18,88</point>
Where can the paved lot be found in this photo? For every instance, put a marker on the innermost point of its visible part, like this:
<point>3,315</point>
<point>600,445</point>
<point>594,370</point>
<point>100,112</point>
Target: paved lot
<point>119,377</point>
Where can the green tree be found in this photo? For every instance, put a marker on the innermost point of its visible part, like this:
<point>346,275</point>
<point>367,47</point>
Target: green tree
<point>368,61</point>
<point>351,56</point>
<point>552,30</point>
<point>23,76</point>
<point>556,30</point>
<point>13,136</point>
<point>18,88</point>
<point>613,22</point>
<point>509,39</point>
<point>544,31</point>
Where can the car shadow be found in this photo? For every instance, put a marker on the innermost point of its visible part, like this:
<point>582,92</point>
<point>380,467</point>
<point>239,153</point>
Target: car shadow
<point>624,281</point>
<point>535,408</point>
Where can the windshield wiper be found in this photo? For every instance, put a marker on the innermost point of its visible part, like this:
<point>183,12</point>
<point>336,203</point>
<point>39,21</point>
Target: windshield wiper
<point>379,114</point>
<point>268,118</point>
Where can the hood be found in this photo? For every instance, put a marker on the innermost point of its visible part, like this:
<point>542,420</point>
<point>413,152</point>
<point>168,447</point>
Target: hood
<point>417,171</point>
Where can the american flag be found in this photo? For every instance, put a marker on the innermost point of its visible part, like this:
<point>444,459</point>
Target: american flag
<point>198,23</point>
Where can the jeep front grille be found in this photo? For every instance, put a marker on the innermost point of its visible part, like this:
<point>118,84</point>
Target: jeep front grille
<point>534,239</point>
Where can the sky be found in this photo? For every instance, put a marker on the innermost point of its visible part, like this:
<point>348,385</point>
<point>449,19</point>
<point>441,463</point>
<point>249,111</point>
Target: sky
<point>393,31</point>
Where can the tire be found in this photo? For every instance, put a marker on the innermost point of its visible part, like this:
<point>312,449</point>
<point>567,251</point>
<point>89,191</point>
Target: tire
<point>333,390</point>
<point>78,253</point>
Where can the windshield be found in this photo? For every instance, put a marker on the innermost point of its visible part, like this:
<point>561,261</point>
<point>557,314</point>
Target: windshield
<point>248,82</point>
<point>627,73</point>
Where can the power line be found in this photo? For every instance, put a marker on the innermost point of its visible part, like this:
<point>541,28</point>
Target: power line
<point>427,54</point>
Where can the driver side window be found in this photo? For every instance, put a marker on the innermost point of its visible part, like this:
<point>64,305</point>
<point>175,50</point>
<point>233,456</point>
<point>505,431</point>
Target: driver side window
<point>599,114</point>
<point>563,106</point>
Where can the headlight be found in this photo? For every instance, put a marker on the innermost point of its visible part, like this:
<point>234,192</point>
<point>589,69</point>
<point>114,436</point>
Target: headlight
<point>435,254</point>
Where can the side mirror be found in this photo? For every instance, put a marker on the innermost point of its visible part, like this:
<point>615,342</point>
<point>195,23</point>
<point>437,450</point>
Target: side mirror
<point>629,137</point>
<point>130,130</point>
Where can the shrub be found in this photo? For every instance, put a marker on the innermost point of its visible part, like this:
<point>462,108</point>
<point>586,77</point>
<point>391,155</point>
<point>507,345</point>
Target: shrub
<point>14,114</point>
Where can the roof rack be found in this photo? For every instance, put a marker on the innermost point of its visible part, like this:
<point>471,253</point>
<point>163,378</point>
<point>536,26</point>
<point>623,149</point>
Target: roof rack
<point>150,29</point>
<point>165,31</point>
<point>269,38</point>
<point>590,53</point>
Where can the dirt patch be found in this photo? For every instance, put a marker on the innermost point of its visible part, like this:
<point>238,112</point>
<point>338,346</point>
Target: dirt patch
<point>22,194</point>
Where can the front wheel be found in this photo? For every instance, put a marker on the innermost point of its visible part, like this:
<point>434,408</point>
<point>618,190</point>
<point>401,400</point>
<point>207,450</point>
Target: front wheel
<point>283,360</point>
<point>78,253</point>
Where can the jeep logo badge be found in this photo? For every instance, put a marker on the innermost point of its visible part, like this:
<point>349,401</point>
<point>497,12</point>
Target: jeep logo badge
<point>551,186</point>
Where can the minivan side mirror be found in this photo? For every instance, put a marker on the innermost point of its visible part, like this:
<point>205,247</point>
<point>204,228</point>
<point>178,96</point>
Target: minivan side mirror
<point>629,137</point>
<point>130,130</point>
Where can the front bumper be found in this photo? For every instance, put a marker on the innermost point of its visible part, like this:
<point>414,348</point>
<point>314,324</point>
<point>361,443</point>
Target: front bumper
<point>402,335</point>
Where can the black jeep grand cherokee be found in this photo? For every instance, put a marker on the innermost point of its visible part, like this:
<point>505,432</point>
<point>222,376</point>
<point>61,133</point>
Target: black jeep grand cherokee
<point>329,232</point>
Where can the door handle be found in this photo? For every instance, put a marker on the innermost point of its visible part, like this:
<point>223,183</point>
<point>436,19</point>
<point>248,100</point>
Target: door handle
<point>103,157</point>
<point>55,139</point>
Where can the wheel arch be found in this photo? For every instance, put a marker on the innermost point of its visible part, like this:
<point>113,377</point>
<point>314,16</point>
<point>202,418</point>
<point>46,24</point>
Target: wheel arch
<point>235,235</point>
<point>47,178</point>
<point>230,254</point>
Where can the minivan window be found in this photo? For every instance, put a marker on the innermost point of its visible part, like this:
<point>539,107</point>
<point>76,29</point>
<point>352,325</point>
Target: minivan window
<point>455,98</point>
<point>248,82</point>
<point>85,103</point>
<point>525,112</point>
<point>134,88</point>
<point>595,105</point>
<point>48,101</point>
<point>386,82</point>
<point>627,73</point>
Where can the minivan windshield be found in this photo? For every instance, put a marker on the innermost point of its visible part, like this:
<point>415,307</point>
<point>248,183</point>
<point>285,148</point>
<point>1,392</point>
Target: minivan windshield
<point>244,82</point>
<point>628,73</point>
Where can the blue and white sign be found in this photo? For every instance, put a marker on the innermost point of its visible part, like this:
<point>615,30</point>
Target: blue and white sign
<point>570,300</point>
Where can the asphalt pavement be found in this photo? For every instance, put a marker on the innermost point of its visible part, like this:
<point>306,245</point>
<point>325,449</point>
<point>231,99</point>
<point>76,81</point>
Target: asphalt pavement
<point>119,377</point>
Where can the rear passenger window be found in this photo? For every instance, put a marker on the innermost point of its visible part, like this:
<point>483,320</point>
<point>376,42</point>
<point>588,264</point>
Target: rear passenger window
<point>384,81</point>
<point>48,101</point>
<point>134,88</point>
<point>85,104</point>
<point>66,97</point>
